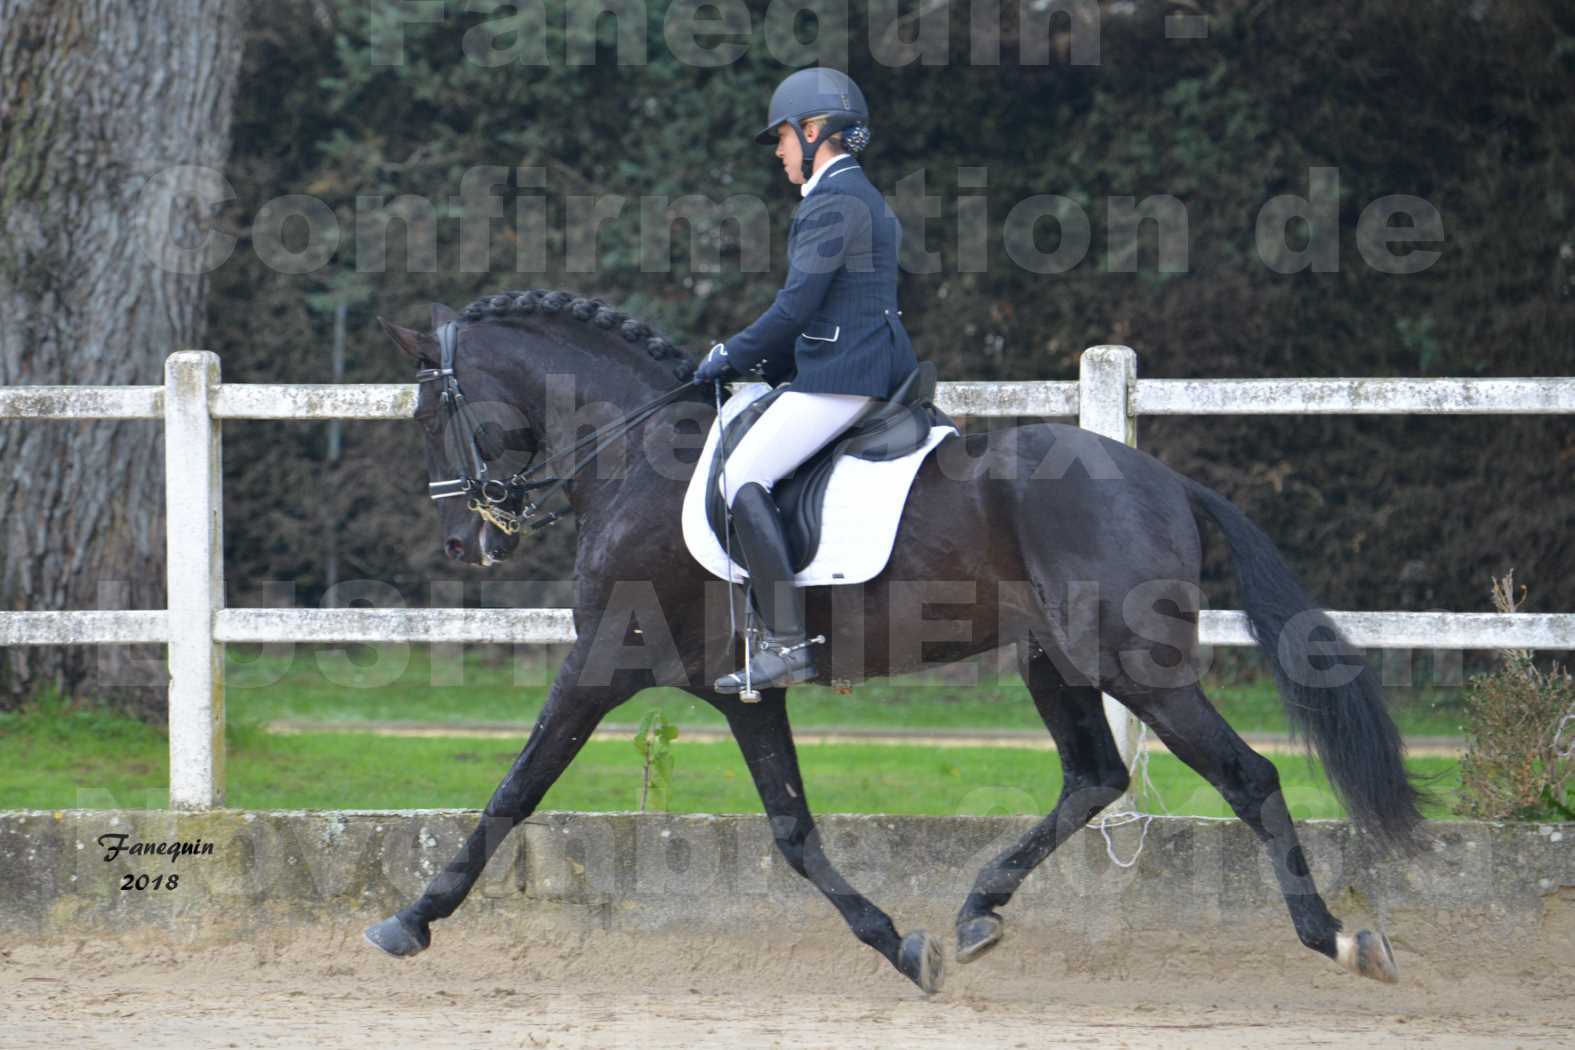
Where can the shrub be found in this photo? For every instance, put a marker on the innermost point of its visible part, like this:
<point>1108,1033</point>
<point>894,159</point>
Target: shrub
<point>1520,739</point>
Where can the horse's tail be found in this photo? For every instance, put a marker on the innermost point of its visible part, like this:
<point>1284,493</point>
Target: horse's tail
<point>1332,695</point>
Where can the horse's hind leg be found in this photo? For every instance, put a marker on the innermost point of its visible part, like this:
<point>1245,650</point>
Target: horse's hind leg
<point>1092,777</point>
<point>566,722</point>
<point>1195,733</point>
<point>766,740</point>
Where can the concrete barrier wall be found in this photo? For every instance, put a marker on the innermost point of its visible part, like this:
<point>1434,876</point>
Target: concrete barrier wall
<point>1481,886</point>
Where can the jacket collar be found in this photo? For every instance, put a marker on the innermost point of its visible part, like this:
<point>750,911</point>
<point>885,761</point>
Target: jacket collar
<point>836,167</point>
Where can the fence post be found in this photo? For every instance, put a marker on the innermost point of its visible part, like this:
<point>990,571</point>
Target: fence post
<point>1106,378</point>
<point>194,554</point>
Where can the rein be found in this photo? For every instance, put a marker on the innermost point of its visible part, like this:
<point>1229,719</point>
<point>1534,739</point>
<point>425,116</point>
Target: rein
<point>507,504</point>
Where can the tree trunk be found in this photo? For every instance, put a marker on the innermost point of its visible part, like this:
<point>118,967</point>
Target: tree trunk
<point>106,107</point>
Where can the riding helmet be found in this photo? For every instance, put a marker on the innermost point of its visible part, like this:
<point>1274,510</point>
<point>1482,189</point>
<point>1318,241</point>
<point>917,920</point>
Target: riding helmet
<point>818,91</point>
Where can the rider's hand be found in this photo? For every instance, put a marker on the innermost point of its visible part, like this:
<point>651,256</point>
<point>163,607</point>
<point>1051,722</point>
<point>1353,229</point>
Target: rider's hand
<point>715,366</point>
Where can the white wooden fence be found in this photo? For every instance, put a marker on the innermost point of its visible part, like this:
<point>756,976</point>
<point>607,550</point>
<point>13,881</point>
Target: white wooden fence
<point>1107,398</point>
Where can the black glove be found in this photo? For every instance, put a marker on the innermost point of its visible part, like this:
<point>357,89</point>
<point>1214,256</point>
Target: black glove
<point>715,366</point>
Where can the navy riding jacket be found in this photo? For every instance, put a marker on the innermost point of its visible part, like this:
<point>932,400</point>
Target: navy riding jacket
<point>836,320</point>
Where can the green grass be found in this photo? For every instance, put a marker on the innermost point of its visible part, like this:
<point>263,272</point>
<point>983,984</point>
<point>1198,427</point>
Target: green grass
<point>402,683</point>
<point>56,757</point>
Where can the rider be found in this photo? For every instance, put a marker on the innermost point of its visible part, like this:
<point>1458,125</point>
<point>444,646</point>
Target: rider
<point>835,320</point>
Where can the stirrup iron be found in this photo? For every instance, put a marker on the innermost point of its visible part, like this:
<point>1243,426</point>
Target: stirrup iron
<point>748,693</point>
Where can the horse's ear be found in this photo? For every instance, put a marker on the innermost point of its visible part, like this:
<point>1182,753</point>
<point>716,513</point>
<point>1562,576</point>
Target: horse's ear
<point>419,346</point>
<point>442,315</point>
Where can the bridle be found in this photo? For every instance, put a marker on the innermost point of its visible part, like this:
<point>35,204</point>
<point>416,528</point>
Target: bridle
<point>508,503</point>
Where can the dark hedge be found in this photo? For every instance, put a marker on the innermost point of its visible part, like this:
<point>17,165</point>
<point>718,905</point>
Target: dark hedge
<point>1471,109</point>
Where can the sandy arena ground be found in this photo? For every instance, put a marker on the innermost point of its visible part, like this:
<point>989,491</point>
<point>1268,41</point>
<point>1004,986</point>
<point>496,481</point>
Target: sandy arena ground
<point>475,988</point>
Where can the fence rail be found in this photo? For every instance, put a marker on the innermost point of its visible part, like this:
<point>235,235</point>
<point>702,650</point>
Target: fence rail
<point>1147,397</point>
<point>1107,398</point>
<point>1377,630</point>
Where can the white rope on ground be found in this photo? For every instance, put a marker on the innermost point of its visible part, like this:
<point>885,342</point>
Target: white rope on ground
<point>1146,792</point>
<point>1558,737</point>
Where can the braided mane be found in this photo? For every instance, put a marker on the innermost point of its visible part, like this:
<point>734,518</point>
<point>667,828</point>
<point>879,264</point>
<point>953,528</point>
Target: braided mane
<point>507,306</point>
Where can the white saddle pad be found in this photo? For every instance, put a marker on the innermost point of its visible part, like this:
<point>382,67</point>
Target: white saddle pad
<point>863,504</point>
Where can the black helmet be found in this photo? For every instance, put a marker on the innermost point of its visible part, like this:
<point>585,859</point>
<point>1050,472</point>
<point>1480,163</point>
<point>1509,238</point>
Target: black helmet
<point>811,93</point>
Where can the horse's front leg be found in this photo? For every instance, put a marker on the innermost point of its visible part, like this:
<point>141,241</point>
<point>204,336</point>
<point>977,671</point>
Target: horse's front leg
<point>572,712</point>
<point>766,739</point>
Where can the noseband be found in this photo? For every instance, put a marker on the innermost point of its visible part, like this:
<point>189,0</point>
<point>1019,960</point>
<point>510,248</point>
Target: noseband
<point>506,504</point>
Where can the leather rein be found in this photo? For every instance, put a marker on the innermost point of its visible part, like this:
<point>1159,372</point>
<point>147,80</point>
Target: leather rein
<point>508,504</point>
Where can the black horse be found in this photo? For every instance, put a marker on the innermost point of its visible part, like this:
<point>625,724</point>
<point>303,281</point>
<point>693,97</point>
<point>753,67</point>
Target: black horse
<point>1018,513</point>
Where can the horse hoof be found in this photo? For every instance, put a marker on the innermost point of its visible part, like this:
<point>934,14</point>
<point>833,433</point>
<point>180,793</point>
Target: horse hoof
<point>921,959</point>
<point>978,935</point>
<point>1367,954</point>
<point>396,937</point>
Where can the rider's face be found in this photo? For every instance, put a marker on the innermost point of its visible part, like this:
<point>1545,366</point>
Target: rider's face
<point>791,154</point>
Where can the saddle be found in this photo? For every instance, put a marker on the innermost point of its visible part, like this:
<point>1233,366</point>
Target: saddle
<point>886,430</point>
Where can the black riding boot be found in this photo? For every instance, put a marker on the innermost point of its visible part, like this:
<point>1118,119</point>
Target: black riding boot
<point>784,655</point>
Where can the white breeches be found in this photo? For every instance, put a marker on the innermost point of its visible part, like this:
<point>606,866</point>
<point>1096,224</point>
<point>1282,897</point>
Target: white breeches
<point>794,427</point>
